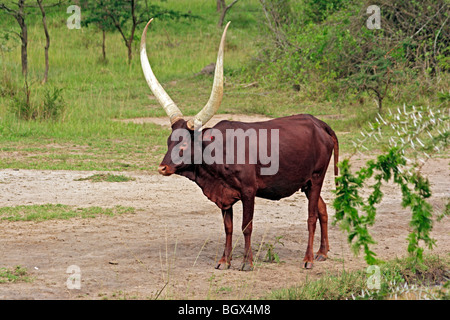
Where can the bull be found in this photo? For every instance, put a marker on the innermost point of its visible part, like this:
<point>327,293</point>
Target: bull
<point>303,148</point>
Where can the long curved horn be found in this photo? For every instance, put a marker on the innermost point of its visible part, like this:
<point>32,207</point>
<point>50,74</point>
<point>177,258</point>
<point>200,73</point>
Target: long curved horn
<point>215,99</point>
<point>161,95</point>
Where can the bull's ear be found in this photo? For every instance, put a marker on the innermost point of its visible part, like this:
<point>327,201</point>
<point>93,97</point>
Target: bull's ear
<point>198,128</point>
<point>179,124</point>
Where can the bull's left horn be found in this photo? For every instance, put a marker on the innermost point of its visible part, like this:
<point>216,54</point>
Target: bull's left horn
<point>161,95</point>
<point>215,99</point>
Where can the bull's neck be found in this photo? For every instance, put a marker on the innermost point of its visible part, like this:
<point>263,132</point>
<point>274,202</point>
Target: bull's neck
<point>215,188</point>
<point>199,174</point>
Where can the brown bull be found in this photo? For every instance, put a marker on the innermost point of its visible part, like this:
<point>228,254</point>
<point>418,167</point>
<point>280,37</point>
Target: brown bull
<point>300,149</point>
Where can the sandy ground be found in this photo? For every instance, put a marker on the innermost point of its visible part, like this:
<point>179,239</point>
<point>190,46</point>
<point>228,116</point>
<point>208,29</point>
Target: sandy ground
<point>168,248</point>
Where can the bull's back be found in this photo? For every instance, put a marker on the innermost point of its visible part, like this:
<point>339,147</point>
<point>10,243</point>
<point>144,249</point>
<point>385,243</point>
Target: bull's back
<point>304,149</point>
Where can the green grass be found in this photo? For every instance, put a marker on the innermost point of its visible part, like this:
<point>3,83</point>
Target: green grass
<point>122,147</point>
<point>16,274</point>
<point>57,211</point>
<point>106,177</point>
<point>98,93</point>
<point>401,278</point>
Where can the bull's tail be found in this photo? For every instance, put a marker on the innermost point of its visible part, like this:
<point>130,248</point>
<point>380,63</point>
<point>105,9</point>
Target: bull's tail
<point>336,153</point>
<point>333,136</point>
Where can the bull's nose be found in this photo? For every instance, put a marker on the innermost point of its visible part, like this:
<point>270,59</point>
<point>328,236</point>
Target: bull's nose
<point>165,170</point>
<point>162,170</point>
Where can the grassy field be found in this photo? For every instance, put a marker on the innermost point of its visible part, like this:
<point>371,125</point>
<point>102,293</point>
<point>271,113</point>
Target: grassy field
<point>57,211</point>
<point>400,279</point>
<point>96,93</point>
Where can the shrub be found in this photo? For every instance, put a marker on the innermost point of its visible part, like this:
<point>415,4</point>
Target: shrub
<point>21,105</point>
<point>417,136</point>
<point>52,106</point>
<point>327,42</point>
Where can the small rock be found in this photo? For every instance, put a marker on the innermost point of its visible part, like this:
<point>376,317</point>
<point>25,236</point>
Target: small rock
<point>208,70</point>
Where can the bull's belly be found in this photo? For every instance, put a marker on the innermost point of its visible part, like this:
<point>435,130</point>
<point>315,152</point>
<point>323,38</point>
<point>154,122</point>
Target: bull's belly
<point>279,192</point>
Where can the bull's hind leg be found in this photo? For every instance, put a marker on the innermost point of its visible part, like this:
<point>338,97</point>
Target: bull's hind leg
<point>313,195</point>
<point>321,255</point>
<point>316,210</point>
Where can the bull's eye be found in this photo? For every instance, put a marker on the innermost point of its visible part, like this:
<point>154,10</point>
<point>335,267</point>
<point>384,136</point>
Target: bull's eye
<point>183,147</point>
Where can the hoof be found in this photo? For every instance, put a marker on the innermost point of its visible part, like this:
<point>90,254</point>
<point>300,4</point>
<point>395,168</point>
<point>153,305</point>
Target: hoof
<point>223,266</point>
<point>308,265</point>
<point>246,267</point>
<point>320,257</point>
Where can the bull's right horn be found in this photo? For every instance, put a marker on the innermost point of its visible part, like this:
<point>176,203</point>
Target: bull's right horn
<point>161,95</point>
<point>215,99</point>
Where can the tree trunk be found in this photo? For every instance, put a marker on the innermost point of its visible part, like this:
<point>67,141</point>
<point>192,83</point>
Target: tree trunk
<point>225,8</point>
<point>47,37</point>
<point>24,54</point>
<point>104,45</point>
<point>220,5</point>
<point>20,17</point>
<point>130,51</point>
<point>133,29</point>
<point>130,42</point>
<point>380,103</point>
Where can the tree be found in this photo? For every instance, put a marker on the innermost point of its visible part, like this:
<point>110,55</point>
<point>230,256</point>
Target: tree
<point>278,15</point>
<point>47,37</point>
<point>19,14</point>
<point>120,12</point>
<point>127,15</point>
<point>99,18</point>
<point>223,7</point>
<point>375,75</point>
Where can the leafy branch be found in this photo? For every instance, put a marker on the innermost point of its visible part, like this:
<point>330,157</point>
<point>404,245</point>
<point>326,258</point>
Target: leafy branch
<point>355,215</point>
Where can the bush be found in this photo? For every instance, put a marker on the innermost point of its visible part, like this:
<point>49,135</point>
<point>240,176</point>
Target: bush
<point>327,43</point>
<point>416,135</point>
<point>21,105</point>
<point>52,106</point>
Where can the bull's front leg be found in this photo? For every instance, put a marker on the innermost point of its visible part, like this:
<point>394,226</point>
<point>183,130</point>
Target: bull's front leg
<point>248,205</point>
<point>225,261</point>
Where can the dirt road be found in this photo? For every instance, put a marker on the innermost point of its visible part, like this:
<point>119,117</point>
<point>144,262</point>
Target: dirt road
<point>168,248</point>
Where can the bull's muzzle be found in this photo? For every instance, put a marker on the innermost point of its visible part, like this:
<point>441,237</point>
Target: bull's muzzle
<point>165,170</point>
